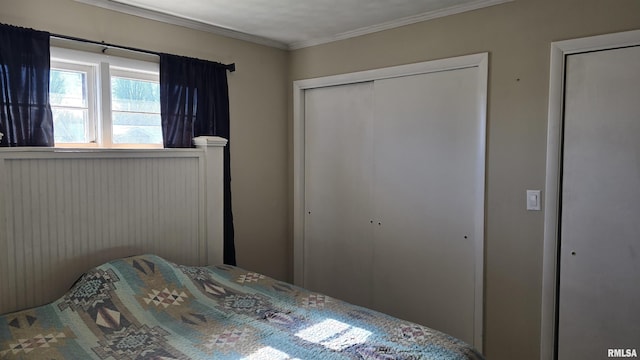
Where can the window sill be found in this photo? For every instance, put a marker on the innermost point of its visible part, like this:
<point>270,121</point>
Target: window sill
<point>118,146</point>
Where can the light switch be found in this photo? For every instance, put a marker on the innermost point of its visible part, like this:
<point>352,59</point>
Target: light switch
<point>533,200</point>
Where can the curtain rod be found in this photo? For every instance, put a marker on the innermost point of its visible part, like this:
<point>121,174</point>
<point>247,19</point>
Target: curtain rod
<point>230,67</point>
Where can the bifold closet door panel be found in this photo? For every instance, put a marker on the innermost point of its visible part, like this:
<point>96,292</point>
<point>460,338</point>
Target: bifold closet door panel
<point>599,292</point>
<point>427,134</point>
<point>338,157</point>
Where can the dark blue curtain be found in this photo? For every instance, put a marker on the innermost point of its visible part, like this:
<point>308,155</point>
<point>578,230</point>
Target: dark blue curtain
<point>25,113</point>
<point>194,101</point>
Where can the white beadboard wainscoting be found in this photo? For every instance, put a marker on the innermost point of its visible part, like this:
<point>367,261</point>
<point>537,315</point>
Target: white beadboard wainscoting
<point>63,212</point>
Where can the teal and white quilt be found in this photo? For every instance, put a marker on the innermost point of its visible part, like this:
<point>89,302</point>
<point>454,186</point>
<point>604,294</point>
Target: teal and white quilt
<point>145,307</point>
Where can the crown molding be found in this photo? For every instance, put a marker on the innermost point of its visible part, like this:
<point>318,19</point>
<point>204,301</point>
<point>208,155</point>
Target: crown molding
<point>180,21</point>
<point>429,15</point>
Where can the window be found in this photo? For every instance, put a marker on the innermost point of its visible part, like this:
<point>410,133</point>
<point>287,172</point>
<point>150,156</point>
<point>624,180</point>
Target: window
<point>99,100</point>
<point>70,104</point>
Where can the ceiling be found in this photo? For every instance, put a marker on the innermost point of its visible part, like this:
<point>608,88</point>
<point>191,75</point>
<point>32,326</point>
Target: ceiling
<point>292,24</point>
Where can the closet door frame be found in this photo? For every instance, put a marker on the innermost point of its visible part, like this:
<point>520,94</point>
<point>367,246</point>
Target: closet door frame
<point>550,277</point>
<point>480,61</point>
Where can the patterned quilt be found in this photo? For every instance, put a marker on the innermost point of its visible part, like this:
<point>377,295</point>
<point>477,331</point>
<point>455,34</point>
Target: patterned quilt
<point>145,307</point>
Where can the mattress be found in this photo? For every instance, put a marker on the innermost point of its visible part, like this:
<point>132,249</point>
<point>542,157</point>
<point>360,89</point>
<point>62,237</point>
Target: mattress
<point>145,307</point>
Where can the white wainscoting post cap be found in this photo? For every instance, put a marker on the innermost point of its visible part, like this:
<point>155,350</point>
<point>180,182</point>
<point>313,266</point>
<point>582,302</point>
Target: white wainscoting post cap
<point>202,141</point>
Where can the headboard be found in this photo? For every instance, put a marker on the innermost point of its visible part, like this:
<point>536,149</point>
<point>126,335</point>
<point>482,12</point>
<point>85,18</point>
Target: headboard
<point>64,211</point>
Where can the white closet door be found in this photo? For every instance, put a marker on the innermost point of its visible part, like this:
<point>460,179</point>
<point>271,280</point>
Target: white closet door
<point>338,154</point>
<point>599,292</point>
<point>429,198</point>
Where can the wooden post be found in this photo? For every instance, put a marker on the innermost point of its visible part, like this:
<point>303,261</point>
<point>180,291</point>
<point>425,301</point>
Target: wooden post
<point>213,147</point>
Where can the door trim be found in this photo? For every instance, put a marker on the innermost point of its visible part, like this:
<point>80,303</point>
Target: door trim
<point>559,51</point>
<point>480,61</point>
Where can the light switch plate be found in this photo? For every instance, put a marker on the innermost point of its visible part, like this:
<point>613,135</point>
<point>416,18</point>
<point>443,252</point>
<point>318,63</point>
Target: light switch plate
<point>533,200</point>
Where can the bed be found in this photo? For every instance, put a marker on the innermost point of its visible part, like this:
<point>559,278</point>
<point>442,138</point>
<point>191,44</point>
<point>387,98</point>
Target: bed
<point>64,212</point>
<point>146,307</point>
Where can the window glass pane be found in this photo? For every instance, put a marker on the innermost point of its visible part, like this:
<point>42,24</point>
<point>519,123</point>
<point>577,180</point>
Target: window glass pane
<point>136,128</point>
<point>69,125</point>
<point>134,95</point>
<point>135,106</point>
<point>68,88</point>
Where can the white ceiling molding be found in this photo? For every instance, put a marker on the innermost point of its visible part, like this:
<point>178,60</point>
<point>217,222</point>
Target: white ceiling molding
<point>188,23</point>
<point>429,15</point>
<point>198,25</point>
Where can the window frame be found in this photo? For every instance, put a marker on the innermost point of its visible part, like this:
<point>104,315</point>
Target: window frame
<point>101,67</point>
<point>90,126</point>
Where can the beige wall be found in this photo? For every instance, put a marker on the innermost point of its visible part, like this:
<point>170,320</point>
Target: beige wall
<point>257,105</point>
<point>517,36</point>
